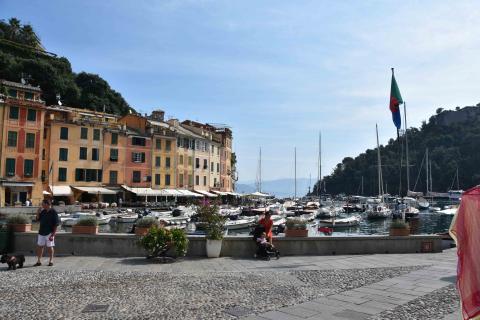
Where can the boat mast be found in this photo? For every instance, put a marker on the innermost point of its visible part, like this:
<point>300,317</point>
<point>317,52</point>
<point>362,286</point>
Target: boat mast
<point>319,185</point>
<point>406,146</point>
<point>259,172</point>
<point>295,155</point>
<point>430,172</point>
<point>426,170</point>
<point>380,179</point>
<point>458,184</point>
<point>362,187</point>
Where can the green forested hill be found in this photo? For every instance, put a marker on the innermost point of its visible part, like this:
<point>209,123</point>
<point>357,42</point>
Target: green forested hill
<point>453,140</point>
<point>22,54</point>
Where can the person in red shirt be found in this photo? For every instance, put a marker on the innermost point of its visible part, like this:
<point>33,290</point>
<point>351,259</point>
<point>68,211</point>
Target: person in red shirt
<point>267,223</point>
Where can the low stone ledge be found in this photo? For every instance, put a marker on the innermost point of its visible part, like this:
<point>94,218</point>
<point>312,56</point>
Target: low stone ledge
<point>125,245</point>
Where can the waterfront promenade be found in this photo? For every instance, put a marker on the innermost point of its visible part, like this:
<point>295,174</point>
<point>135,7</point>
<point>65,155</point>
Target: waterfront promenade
<point>387,286</point>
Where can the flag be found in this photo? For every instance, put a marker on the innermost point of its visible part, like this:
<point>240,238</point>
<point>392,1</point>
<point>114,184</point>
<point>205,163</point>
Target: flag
<point>464,230</point>
<point>395,102</point>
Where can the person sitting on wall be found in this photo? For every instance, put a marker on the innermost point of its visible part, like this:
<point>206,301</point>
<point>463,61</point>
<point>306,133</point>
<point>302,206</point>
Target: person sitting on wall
<point>267,223</point>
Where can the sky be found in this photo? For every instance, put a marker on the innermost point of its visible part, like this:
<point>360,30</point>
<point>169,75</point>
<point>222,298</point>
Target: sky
<point>276,72</point>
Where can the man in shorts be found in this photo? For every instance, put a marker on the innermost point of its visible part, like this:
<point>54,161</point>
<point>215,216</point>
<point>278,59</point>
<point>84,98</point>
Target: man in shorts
<point>49,221</point>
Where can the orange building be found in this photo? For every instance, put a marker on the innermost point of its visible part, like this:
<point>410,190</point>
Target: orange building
<point>22,115</point>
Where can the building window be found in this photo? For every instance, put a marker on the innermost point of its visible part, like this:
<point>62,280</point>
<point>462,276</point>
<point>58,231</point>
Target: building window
<point>158,144</point>
<point>79,174</point>
<point>212,166</point>
<point>30,140</point>
<point>197,180</point>
<point>113,177</point>
<point>157,162</point>
<point>138,157</point>
<point>204,180</point>
<point>12,139</point>
<point>136,176</point>
<point>190,180</point>
<point>10,167</point>
<point>13,113</point>
<point>114,155</point>
<point>180,160</point>
<point>197,163</point>
<point>168,146</point>
<point>28,96</point>
<point>63,154</point>
<point>96,134</point>
<point>95,155</point>
<point>137,141</point>
<point>213,149</point>
<point>62,174</point>
<point>84,133</point>
<point>218,167</point>
<point>83,153</point>
<point>32,115</point>
<point>64,133</point>
<point>205,164</point>
<point>114,138</point>
<point>190,161</point>
<point>28,168</point>
<point>43,154</point>
<point>44,176</point>
<point>157,179</point>
<point>167,179</point>
<point>167,162</point>
<point>215,182</point>
<point>180,178</point>
<point>12,93</point>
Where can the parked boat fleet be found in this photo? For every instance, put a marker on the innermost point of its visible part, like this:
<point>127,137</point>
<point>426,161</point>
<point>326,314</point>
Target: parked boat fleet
<point>328,213</point>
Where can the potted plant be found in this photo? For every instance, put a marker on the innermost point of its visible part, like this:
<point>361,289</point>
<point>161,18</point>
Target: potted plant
<point>399,228</point>
<point>159,242</point>
<point>86,225</point>
<point>144,224</point>
<point>214,224</point>
<point>19,222</point>
<point>296,227</point>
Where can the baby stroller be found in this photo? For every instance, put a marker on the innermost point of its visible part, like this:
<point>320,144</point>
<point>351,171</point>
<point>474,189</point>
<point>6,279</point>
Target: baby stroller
<point>263,251</point>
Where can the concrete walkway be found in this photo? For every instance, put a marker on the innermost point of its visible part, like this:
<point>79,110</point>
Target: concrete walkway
<point>360,303</point>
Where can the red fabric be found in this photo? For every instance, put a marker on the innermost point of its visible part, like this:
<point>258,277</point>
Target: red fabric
<point>267,224</point>
<point>465,229</point>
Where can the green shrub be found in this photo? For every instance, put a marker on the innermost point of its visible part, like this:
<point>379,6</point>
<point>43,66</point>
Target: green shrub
<point>18,219</point>
<point>398,224</point>
<point>146,222</point>
<point>87,221</point>
<point>296,224</point>
<point>158,241</point>
<point>212,221</point>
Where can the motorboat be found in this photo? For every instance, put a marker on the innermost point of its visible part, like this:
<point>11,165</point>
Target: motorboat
<point>239,223</point>
<point>69,221</point>
<point>448,210</point>
<point>351,221</point>
<point>308,216</point>
<point>127,218</point>
<point>423,204</point>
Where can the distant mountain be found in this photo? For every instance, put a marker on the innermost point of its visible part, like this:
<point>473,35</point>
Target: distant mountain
<point>281,187</point>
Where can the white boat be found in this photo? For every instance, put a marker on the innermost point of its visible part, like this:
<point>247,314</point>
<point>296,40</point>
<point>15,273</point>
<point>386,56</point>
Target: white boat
<point>423,204</point>
<point>239,224</point>
<point>308,216</point>
<point>449,211</point>
<point>351,221</point>
<point>127,218</point>
<point>73,218</point>
<point>379,211</point>
<point>278,220</point>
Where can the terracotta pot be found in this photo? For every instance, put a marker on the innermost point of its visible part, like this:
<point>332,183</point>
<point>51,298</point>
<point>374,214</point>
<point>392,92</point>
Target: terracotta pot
<point>84,229</point>
<point>399,232</point>
<point>141,231</point>
<point>296,233</point>
<point>21,227</point>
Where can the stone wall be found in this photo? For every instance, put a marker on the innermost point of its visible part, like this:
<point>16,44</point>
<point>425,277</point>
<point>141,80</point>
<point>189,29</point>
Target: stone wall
<point>125,245</point>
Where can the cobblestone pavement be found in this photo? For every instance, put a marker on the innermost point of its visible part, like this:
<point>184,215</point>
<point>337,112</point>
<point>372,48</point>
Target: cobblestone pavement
<point>333,287</point>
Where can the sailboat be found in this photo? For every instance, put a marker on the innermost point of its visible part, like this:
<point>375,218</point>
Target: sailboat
<point>379,210</point>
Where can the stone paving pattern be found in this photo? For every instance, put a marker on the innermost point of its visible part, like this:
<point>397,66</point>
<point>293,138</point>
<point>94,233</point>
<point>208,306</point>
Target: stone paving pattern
<point>392,286</point>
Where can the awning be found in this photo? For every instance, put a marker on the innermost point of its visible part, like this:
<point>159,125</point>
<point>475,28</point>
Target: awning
<point>46,193</point>
<point>221,193</point>
<point>235,194</point>
<point>64,191</point>
<point>17,184</point>
<point>259,194</point>
<point>206,193</point>
<point>146,191</point>
<point>188,193</point>
<point>95,190</point>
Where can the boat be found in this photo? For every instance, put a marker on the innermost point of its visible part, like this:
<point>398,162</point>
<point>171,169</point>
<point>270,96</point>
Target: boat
<point>423,204</point>
<point>69,221</point>
<point>351,221</point>
<point>308,216</point>
<point>239,223</point>
<point>379,211</point>
<point>127,218</point>
<point>448,210</point>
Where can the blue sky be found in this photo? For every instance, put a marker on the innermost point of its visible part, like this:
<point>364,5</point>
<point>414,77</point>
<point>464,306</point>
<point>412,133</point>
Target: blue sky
<point>277,72</point>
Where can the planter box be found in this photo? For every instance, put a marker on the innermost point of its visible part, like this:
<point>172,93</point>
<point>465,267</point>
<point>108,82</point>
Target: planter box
<point>400,232</point>
<point>84,229</point>
<point>214,247</point>
<point>141,231</point>
<point>296,233</point>
<point>21,227</point>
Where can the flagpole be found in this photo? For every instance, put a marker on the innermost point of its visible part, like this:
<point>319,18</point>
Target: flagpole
<point>400,151</point>
<point>406,145</point>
